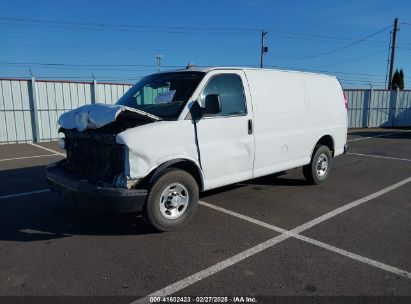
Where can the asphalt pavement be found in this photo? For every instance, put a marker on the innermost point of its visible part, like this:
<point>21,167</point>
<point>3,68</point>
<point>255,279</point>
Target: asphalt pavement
<point>268,238</point>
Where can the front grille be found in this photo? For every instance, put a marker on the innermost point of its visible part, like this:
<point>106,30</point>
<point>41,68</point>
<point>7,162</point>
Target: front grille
<point>95,157</point>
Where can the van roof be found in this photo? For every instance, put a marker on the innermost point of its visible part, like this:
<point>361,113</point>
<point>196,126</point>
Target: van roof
<point>194,68</point>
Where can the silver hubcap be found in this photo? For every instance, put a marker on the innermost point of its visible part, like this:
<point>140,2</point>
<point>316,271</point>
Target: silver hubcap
<point>322,165</point>
<point>174,201</point>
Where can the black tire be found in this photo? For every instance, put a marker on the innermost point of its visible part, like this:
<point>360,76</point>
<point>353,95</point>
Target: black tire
<point>311,174</point>
<point>152,212</point>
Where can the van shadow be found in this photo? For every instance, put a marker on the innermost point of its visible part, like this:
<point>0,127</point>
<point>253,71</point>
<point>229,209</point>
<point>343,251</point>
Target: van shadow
<point>45,216</point>
<point>276,179</point>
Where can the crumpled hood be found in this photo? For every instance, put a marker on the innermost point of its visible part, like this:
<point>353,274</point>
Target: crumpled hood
<point>94,116</point>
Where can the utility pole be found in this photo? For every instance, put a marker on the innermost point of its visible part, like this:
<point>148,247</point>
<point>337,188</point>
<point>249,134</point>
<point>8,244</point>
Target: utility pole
<point>159,57</point>
<point>264,49</point>
<point>393,47</point>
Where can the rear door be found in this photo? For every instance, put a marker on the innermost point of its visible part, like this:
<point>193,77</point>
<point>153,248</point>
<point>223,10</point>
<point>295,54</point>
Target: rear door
<point>226,140</point>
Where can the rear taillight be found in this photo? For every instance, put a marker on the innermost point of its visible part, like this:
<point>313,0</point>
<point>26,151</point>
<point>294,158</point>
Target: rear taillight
<point>345,101</point>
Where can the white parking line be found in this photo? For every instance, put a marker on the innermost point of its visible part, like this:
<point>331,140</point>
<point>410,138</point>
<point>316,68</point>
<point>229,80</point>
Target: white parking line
<point>47,149</point>
<point>348,206</point>
<point>175,287</point>
<point>246,218</point>
<point>356,257</point>
<point>378,156</point>
<point>291,233</point>
<point>23,194</point>
<point>368,137</point>
<point>26,157</point>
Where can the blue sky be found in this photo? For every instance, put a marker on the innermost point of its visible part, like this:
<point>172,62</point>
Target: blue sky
<point>204,32</point>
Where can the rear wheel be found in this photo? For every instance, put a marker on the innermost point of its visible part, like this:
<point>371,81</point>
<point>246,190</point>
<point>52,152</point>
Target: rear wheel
<point>317,170</point>
<point>172,200</point>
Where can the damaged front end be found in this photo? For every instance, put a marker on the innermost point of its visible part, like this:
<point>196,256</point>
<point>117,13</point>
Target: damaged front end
<point>95,172</point>
<point>95,156</point>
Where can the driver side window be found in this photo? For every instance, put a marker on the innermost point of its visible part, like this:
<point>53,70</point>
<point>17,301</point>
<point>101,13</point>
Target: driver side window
<point>230,89</point>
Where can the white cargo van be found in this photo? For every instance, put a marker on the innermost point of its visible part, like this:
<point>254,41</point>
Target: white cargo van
<point>176,133</point>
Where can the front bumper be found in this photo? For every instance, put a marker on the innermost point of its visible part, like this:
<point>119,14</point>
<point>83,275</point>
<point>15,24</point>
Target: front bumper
<point>90,196</point>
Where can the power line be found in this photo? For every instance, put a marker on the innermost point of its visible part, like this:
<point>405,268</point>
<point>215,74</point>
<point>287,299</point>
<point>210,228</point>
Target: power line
<point>59,64</point>
<point>123,30</point>
<point>134,79</point>
<point>82,79</point>
<point>88,76</point>
<point>81,68</point>
<point>121,49</point>
<point>145,27</point>
<point>73,65</point>
<point>170,29</point>
<point>325,71</point>
<point>95,66</point>
<point>351,75</point>
<point>360,84</point>
<point>86,65</point>
<point>166,31</point>
<point>350,59</point>
<point>190,30</point>
<point>353,79</point>
<point>361,81</point>
<point>345,46</point>
<point>361,77</point>
<point>319,38</point>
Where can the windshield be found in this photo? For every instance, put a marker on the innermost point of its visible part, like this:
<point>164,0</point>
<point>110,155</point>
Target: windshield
<point>163,95</point>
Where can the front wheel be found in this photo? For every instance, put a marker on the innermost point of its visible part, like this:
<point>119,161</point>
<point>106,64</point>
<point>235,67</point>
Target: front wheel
<point>317,170</point>
<point>172,200</point>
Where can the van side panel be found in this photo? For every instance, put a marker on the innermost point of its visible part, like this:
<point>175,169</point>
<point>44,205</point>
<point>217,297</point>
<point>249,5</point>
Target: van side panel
<point>280,120</point>
<point>327,109</point>
<point>290,117</point>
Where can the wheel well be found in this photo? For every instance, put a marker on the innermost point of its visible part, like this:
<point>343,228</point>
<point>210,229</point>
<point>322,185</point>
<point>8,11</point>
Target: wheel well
<point>328,141</point>
<point>191,168</point>
<point>182,164</point>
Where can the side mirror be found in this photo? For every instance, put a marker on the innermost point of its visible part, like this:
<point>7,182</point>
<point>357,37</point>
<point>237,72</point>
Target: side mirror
<point>212,104</point>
